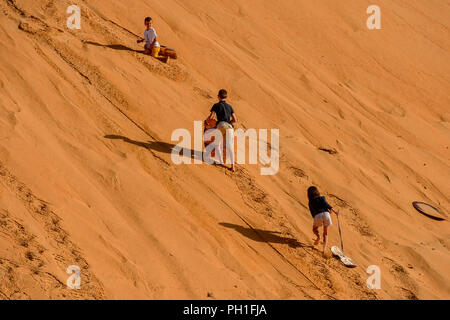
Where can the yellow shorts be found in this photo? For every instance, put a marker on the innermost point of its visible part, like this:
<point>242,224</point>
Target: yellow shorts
<point>155,52</point>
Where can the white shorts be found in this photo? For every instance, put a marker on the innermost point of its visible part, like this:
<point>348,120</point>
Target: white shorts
<point>223,126</point>
<point>322,219</point>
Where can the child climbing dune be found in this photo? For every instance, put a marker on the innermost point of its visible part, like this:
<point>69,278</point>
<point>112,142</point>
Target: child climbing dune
<point>225,119</point>
<point>320,211</point>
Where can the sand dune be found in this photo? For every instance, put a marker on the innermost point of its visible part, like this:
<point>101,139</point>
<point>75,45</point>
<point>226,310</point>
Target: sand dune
<point>86,176</point>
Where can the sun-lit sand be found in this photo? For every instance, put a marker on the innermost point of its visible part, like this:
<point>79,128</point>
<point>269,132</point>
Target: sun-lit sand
<point>86,176</point>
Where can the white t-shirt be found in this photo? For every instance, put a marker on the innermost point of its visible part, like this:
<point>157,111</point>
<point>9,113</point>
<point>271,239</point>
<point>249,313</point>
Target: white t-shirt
<point>149,36</point>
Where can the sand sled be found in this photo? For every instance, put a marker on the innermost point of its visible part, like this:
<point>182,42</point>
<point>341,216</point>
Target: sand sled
<point>168,52</point>
<point>211,124</point>
<point>346,261</point>
<point>428,210</point>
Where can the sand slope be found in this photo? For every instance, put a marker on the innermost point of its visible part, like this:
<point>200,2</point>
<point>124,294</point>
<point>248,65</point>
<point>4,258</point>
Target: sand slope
<point>86,176</point>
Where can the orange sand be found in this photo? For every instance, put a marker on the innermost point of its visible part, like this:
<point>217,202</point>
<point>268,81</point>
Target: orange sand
<point>86,176</point>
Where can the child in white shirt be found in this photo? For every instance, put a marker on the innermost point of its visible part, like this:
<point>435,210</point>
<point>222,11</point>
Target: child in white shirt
<point>151,46</point>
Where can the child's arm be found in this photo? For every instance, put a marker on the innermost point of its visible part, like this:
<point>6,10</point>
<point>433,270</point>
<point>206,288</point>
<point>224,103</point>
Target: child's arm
<point>335,212</point>
<point>140,40</point>
<point>233,118</point>
<point>153,43</point>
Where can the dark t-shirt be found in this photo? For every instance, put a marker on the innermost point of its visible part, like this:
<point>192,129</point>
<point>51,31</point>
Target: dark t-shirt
<point>319,205</point>
<point>223,111</point>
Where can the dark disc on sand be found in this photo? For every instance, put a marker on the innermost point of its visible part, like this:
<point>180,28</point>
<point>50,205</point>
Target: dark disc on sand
<point>428,210</point>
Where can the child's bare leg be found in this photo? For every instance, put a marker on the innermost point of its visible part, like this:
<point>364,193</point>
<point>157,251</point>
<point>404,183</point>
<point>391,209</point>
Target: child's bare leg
<point>325,238</point>
<point>156,53</point>
<point>316,232</point>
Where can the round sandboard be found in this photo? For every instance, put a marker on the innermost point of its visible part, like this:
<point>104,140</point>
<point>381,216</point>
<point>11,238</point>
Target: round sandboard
<point>171,53</point>
<point>208,125</point>
<point>428,210</point>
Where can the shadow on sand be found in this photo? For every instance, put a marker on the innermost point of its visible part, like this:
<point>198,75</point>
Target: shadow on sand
<point>263,235</point>
<point>158,146</point>
<point>113,46</point>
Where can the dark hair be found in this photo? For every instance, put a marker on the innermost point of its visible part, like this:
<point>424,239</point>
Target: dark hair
<point>223,94</point>
<point>313,193</point>
<point>148,19</point>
